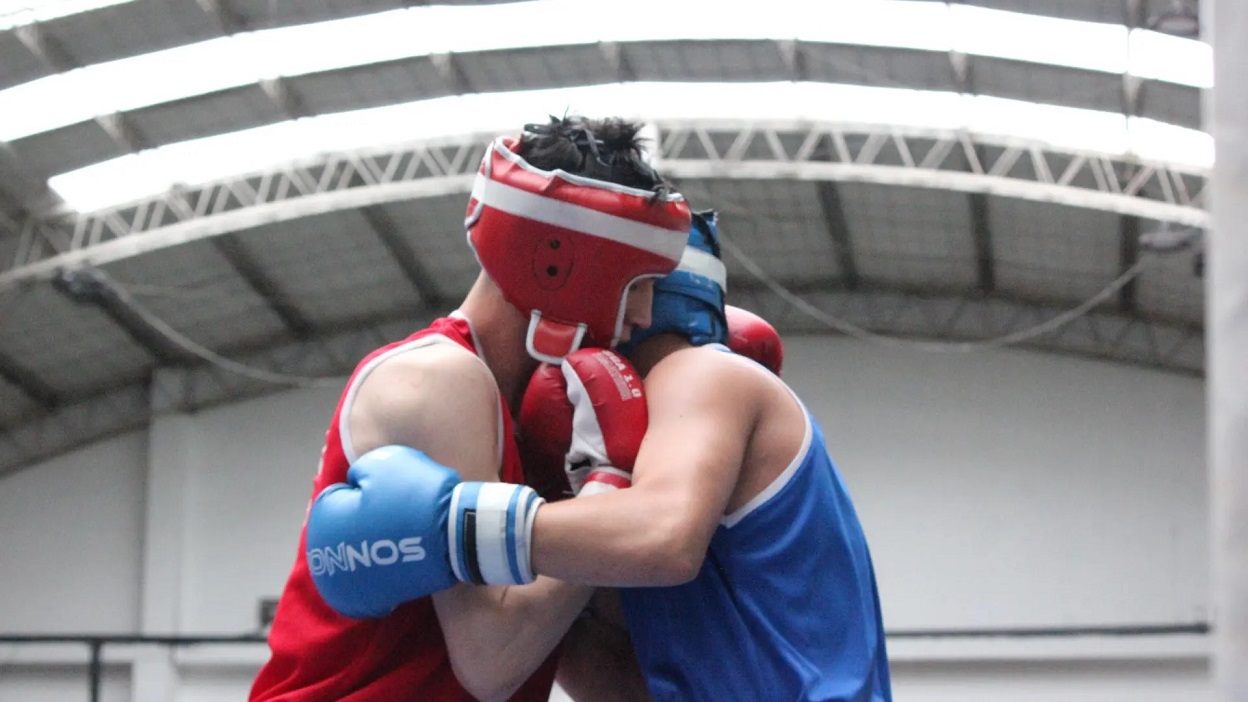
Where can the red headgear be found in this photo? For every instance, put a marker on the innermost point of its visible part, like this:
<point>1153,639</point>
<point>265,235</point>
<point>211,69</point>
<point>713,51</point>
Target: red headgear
<point>565,248</point>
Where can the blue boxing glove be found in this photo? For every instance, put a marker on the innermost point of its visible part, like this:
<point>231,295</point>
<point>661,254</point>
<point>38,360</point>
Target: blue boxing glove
<point>404,527</point>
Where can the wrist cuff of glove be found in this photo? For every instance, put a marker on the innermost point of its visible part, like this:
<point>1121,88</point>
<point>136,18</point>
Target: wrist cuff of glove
<point>490,528</point>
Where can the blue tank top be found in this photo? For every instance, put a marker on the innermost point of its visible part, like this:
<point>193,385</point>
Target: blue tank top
<point>785,606</point>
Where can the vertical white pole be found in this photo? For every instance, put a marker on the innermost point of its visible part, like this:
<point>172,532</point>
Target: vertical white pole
<point>1225,25</point>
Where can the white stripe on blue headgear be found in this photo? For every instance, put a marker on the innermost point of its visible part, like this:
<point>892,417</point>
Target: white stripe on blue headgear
<point>690,300</point>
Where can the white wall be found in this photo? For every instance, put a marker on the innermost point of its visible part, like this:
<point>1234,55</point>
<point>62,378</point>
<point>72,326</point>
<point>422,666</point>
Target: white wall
<point>1005,489</point>
<point>1017,489</point>
<point>72,538</point>
<point>70,562</point>
<point>249,471</point>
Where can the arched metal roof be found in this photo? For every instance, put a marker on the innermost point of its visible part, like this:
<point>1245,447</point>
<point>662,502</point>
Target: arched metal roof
<point>889,232</point>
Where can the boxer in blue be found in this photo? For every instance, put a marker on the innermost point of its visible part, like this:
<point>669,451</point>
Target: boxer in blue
<point>743,569</point>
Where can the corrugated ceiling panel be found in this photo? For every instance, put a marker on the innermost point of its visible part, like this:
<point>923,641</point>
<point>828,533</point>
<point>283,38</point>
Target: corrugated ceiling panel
<point>877,66</point>
<point>17,64</point>
<point>9,243</point>
<point>1054,85</point>
<point>72,346</point>
<point>224,111</point>
<point>536,68</point>
<point>14,404</point>
<point>777,224</point>
<point>743,60</point>
<point>1110,11</point>
<point>197,292</point>
<point>334,266</point>
<point>132,28</point>
<point>910,237</point>
<point>263,14</point>
<point>1170,289</point>
<point>65,149</point>
<point>1051,252</point>
<point>1173,104</point>
<point>434,229</point>
<point>370,86</point>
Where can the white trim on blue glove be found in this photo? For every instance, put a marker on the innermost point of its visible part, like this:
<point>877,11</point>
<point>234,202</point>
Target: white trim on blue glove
<point>490,530</point>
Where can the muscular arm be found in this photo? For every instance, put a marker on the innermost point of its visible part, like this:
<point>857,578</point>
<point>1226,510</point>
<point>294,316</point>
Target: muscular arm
<point>443,401</point>
<point>597,663</point>
<point>702,412</point>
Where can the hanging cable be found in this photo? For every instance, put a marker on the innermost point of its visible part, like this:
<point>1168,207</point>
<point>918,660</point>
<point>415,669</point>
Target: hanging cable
<point>858,332</point>
<point>106,285</point>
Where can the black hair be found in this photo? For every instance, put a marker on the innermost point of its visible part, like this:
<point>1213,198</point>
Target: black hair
<point>605,149</point>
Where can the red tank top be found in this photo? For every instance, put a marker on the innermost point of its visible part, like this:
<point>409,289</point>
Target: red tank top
<point>318,654</point>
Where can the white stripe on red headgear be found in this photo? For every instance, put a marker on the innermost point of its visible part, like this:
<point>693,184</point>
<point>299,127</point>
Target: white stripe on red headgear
<point>564,248</point>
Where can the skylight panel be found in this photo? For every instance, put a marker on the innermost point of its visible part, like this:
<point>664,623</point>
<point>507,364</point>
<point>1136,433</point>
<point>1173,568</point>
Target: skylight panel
<point>203,160</point>
<point>246,58</point>
<point>1048,40</point>
<point>1168,58</point>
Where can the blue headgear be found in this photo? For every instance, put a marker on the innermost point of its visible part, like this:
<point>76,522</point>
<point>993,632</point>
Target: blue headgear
<point>690,299</point>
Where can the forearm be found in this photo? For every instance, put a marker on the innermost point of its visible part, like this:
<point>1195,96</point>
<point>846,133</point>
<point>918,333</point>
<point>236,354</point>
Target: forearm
<point>623,538</point>
<point>597,664</point>
<point>497,636</point>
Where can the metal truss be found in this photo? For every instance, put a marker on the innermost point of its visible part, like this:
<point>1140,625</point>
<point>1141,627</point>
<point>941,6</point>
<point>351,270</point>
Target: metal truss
<point>803,151</point>
<point>936,158</point>
<point>336,182</point>
<point>886,155</point>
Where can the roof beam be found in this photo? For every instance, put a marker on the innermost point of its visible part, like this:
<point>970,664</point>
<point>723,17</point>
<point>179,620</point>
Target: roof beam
<point>49,52</point>
<point>54,56</point>
<point>24,187</point>
<point>835,222</point>
<point>963,74</point>
<point>120,128</point>
<point>1132,86</point>
<point>285,98</point>
<point>29,383</point>
<point>837,225</point>
<point>226,19</point>
<point>452,73</point>
<point>981,231</point>
<point>235,253</point>
<point>383,226</point>
<point>624,71</point>
<point>1128,256</point>
<point>794,59</point>
<point>92,286</point>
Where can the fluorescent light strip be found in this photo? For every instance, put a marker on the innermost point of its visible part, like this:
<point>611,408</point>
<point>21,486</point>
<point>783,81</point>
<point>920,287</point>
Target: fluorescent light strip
<point>17,13</point>
<point>195,162</point>
<point>244,59</point>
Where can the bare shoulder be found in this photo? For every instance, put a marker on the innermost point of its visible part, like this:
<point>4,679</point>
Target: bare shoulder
<point>440,399</point>
<point>707,372</point>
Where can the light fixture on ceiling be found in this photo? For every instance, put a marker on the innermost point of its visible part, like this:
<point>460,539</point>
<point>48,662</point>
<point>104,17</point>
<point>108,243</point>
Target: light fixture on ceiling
<point>1171,238</point>
<point>1181,19</point>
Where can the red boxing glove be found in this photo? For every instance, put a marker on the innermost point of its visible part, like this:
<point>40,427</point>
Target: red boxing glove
<point>753,337</point>
<point>545,423</point>
<point>609,419</point>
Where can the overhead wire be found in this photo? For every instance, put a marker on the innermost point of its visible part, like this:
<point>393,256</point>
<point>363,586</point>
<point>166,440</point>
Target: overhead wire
<point>123,296</point>
<point>856,331</point>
